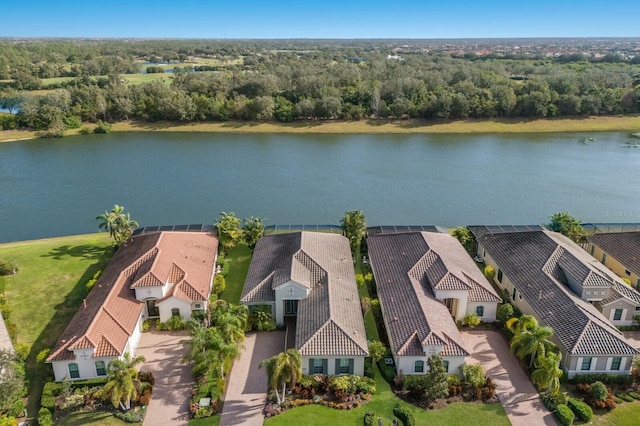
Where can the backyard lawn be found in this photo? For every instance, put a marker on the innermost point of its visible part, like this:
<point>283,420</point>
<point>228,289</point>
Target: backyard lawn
<point>102,418</point>
<point>47,291</point>
<point>239,258</point>
<point>626,413</point>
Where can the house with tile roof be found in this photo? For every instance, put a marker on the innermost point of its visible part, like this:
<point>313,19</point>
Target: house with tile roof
<point>426,281</point>
<point>308,277</point>
<point>620,252</point>
<point>156,275</point>
<point>550,277</point>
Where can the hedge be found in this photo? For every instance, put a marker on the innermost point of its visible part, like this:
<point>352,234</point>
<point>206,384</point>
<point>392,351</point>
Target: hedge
<point>44,417</point>
<point>405,416</point>
<point>369,418</point>
<point>607,379</point>
<point>581,409</point>
<point>387,371</point>
<point>565,415</point>
<point>624,396</point>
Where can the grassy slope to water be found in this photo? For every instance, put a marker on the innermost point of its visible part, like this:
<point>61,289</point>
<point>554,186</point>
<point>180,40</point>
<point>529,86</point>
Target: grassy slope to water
<point>48,289</point>
<point>629,123</point>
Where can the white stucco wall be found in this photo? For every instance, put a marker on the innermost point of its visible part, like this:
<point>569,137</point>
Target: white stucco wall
<point>86,367</point>
<point>155,292</point>
<point>407,364</point>
<point>358,364</point>
<point>166,306</point>
<point>490,309</point>
<point>461,295</point>
<point>290,290</point>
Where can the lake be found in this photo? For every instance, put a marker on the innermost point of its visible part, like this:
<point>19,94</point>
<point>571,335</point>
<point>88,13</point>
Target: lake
<point>52,187</point>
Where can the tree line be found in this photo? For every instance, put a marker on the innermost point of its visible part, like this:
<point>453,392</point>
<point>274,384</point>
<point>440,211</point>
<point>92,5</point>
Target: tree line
<point>349,83</point>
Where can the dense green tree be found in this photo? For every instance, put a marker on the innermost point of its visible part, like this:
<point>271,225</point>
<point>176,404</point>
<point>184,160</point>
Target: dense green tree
<point>548,372</point>
<point>568,226</point>
<point>229,231</point>
<point>354,227</point>
<point>438,386</point>
<point>282,369</point>
<point>377,350</point>
<point>119,225</point>
<point>473,374</point>
<point>465,237</point>
<point>252,230</point>
<point>532,343</point>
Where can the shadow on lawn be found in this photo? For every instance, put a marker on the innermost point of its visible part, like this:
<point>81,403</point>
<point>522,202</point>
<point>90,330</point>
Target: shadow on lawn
<point>88,251</point>
<point>37,374</point>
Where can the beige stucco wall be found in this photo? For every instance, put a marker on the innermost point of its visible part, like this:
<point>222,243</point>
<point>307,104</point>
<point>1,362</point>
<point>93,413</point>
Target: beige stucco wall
<point>290,290</point>
<point>406,364</point>
<point>628,312</point>
<point>490,308</point>
<point>613,264</point>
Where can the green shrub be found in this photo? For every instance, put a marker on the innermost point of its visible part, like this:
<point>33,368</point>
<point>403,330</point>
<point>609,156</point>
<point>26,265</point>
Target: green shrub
<point>146,325</point>
<point>42,356</point>
<point>261,319</point>
<point>473,374</point>
<point>504,313</point>
<point>16,409</point>
<point>84,130</point>
<point>369,418</point>
<point>580,409</point>
<point>175,323</point>
<point>72,122</point>
<point>5,310</point>
<point>219,284</point>
<point>22,351</point>
<point>598,391</point>
<point>6,420</point>
<point>606,378</point>
<point>489,272</point>
<point>102,127</point>
<point>387,371</point>
<point>406,417</point>
<point>160,325</point>
<point>131,416</point>
<point>624,396</point>
<point>471,319</point>
<point>369,371</point>
<point>359,280</point>
<point>7,268</point>
<point>92,281</point>
<point>44,417</point>
<point>565,415</point>
<point>634,395</point>
<point>48,400</point>
<point>8,122</point>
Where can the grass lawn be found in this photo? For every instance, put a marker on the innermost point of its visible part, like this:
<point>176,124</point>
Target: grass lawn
<point>626,413</point>
<point>209,421</point>
<point>101,418</point>
<point>382,403</point>
<point>240,258</point>
<point>48,289</point>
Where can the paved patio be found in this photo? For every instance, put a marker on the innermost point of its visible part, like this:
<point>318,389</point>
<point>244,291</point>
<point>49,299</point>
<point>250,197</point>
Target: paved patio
<point>247,389</point>
<point>173,380</point>
<point>514,388</point>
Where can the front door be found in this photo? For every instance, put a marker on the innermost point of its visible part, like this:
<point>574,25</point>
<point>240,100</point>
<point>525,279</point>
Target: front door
<point>152,309</point>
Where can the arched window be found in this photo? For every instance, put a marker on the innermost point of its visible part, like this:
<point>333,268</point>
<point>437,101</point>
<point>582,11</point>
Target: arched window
<point>480,311</point>
<point>74,372</point>
<point>418,367</point>
<point>101,369</point>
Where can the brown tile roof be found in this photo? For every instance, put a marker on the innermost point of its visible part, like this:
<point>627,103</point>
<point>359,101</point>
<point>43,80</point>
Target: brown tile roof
<point>329,320</point>
<point>622,246</point>
<point>111,312</point>
<point>530,260</point>
<point>408,268</point>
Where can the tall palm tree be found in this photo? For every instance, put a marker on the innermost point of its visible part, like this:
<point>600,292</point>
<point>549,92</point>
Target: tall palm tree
<point>547,375</point>
<point>119,225</point>
<point>525,322</point>
<point>222,350</point>
<point>282,369</point>
<point>122,380</point>
<point>199,345</point>
<point>532,342</point>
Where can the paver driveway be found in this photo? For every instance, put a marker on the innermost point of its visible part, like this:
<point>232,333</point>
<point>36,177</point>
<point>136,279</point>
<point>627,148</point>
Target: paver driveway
<point>173,380</point>
<point>514,389</point>
<point>247,390</point>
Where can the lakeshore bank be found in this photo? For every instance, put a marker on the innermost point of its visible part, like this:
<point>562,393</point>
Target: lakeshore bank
<point>629,123</point>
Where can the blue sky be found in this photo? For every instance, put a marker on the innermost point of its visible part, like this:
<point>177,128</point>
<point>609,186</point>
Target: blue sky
<point>319,19</point>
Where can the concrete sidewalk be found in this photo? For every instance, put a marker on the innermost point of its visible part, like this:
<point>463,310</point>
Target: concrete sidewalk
<point>163,352</point>
<point>514,388</point>
<point>247,390</point>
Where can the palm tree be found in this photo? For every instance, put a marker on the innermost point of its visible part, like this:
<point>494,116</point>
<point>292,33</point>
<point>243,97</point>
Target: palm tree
<point>525,322</point>
<point>354,226</point>
<point>199,345</point>
<point>547,375</point>
<point>253,230</point>
<point>283,368</point>
<point>122,380</point>
<point>119,225</point>
<point>222,350</point>
<point>532,342</point>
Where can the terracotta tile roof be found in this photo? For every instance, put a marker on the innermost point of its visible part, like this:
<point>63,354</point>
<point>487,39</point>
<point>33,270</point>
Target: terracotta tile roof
<point>329,320</point>
<point>622,246</point>
<point>408,268</point>
<point>530,260</point>
<point>111,312</point>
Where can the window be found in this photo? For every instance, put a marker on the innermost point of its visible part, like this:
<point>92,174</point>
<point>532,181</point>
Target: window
<point>513,296</point>
<point>344,366</point>
<point>593,249</point>
<point>588,293</point>
<point>604,257</point>
<point>74,373</point>
<point>175,312</point>
<point>290,307</point>
<point>617,315</point>
<point>627,272</point>
<point>615,363</point>
<point>445,363</point>
<point>586,363</point>
<point>197,306</point>
<point>101,369</point>
<point>499,276</point>
<point>317,366</point>
<point>480,311</point>
<point>418,367</point>
<point>637,308</point>
<point>602,293</point>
